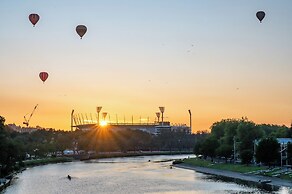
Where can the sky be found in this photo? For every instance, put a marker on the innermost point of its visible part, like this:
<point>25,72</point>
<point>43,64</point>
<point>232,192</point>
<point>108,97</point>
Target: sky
<point>212,57</point>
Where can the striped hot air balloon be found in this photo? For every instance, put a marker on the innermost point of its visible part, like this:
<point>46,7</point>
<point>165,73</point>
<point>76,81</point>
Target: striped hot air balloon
<point>44,76</point>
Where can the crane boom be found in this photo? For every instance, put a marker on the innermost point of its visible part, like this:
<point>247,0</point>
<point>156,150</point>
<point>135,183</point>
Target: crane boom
<point>26,121</point>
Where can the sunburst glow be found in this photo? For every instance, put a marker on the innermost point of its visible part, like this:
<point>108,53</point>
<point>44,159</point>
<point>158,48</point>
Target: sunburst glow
<point>103,123</point>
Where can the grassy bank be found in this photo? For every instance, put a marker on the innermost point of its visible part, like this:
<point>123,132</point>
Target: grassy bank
<point>44,161</point>
<point>223,166</point>
<point>251,169</point>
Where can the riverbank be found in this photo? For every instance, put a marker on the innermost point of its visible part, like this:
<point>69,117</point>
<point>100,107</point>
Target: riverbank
<point>132,154</point>
<point>239,175</point>
<point>6,181</point>
<point>44,161</point>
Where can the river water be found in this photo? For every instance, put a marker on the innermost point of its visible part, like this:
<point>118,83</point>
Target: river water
<point>145,174</point>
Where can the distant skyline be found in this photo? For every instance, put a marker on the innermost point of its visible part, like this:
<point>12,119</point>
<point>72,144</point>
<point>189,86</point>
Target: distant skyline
<point>213,57</point>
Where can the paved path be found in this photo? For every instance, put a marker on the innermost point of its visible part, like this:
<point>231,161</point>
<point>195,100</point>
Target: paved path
<point>254,178</point>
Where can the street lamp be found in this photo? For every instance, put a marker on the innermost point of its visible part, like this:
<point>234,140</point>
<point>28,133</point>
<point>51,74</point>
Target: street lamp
<point>72,113</point>
<point>190,120</point>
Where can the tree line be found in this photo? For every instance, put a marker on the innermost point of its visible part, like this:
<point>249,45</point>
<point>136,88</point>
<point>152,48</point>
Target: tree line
<point>15,146</point>
<point>233,139</point>
<point>218,143</point>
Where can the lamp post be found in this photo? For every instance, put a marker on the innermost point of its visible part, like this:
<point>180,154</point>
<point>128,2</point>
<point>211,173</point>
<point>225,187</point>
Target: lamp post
<point>72,113</point>
<point>98,109</point>
<point>190,120</point>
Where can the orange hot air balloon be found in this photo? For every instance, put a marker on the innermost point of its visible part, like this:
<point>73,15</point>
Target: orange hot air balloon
<point>81,30</point>
<point>44,76</point>
<point>260,15</point>
<point>34,18</point>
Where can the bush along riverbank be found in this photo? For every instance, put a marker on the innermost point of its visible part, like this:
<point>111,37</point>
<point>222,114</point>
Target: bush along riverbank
<point>260,176</point>
<point>43,161</point>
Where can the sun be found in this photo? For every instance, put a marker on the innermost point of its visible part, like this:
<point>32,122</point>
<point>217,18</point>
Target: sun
<point>103,123</point>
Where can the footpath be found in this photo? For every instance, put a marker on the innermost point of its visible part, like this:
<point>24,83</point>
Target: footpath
<point>258,179</point>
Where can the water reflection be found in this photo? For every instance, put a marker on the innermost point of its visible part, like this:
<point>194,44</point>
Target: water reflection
<point>122,175</point>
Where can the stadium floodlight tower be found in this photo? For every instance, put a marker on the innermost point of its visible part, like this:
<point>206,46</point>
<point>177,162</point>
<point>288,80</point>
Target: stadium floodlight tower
<point>190,120</point>
<point>104,115</point>
<point>158,116</point>
<point>98,109</point>
<point>72,116</point>
<point>162,108</point>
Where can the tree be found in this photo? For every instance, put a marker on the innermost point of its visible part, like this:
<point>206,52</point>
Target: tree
<point>267,151</point>
<point>10,151</point>
<point>198,148</point>
<point>247,132</point>
<point>225,151</point>
<point>2,121</point>
<point>275,130</point>
<point>246,156</point>
<point>209,147</point>
<point>226,141</point>
<point>217,129</point>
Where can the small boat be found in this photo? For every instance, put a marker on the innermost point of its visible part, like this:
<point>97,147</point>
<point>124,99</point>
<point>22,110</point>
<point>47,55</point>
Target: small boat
<point>69,177</point>
<point>264,181</point>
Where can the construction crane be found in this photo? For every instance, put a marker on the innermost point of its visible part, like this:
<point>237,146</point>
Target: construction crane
<point>26,121</point>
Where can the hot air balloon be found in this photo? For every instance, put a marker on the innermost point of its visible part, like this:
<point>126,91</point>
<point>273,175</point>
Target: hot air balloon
<point>34,18</point>
<point>81,30</point>
<point>260,15</point>
<point>44,76</point>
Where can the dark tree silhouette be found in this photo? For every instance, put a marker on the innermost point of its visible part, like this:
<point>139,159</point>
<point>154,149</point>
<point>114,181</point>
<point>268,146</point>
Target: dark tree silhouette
<point>267,151</point>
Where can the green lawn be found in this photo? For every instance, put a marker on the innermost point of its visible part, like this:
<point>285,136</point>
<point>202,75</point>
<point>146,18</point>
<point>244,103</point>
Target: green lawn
<point>223,166</point>
<point>238,168</point>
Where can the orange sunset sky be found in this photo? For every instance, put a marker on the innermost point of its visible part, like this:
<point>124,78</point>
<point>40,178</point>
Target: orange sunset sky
<point>213,57</point>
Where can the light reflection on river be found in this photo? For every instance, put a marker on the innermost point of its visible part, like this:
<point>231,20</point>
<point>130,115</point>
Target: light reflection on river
<point>120,175</point>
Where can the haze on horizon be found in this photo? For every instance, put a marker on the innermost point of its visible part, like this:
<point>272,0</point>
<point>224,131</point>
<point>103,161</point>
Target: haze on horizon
<point>213,57</point>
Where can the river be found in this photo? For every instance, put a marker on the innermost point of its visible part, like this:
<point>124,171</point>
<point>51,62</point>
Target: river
<point>146,174</point>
